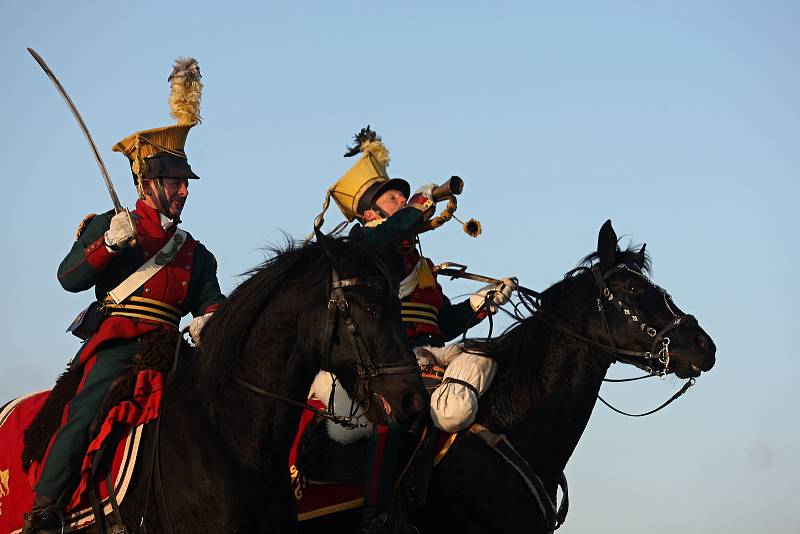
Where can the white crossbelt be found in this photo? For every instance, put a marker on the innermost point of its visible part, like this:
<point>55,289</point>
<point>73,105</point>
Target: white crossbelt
<point>409,283</point>
<point>144,273</point>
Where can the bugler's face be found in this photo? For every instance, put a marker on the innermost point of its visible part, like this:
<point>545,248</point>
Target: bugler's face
<point>391,201</point>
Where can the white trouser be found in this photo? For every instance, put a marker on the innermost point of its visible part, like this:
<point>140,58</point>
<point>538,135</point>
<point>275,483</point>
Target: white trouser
<point>454,406</point>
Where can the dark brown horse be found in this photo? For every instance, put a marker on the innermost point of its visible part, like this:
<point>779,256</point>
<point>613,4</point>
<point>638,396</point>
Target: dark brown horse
<point>550,369</point>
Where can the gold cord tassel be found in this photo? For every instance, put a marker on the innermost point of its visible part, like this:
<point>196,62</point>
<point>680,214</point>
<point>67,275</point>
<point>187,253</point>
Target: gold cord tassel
<point>425,278</point>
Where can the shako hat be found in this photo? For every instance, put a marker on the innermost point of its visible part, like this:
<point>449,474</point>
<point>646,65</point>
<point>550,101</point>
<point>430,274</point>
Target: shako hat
<point>367,179</point>
<point>159,152</point>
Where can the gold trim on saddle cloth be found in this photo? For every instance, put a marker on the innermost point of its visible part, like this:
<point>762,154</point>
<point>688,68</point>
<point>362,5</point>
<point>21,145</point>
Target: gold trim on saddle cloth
<point>144,308</point>
<point>415,312</point>
<point>332,509</point>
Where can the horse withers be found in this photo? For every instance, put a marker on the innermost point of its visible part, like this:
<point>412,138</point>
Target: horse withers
<point>551,365</point>
<point>216,459</point>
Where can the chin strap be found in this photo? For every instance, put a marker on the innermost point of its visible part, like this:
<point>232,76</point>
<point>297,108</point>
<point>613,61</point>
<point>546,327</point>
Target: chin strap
<point>163,202</point>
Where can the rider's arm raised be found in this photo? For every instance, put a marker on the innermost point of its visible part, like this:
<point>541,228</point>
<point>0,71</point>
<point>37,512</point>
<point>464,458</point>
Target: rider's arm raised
<point>393,230</point>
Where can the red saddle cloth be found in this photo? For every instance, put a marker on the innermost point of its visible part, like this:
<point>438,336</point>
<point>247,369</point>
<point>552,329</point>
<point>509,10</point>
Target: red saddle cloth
<point>316,500</point>
<point>16,486</point>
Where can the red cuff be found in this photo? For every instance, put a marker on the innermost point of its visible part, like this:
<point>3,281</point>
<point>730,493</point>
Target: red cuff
<point>211,309</point>
<point>420,201</point>
<point>97,255</point>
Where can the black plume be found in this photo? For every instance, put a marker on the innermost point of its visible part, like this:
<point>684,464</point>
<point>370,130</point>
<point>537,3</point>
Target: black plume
<point>360,138</point>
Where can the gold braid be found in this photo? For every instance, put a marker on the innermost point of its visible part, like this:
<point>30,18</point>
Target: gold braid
<point>443,217</point>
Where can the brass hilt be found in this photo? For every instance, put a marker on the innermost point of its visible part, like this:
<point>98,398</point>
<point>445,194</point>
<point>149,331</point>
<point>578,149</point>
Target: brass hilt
<point>132,240</point>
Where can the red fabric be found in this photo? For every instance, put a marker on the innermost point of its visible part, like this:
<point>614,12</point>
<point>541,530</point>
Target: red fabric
<point>381,437</point>
<point>97,255</point>
<point>147,397</point>
<point>16,494</point>
<point>35,471</point>
<point>211,309</point>
<point>433,296</point>
<point>314,497</point>
<point>305,418</point>
<point>169,285</point>
<point>17,497</point>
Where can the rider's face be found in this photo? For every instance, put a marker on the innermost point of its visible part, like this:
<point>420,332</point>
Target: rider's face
<point>176,190</point>
<point>391,201</point>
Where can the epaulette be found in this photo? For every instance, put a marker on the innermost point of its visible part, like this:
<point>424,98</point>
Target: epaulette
<point>84,223</point>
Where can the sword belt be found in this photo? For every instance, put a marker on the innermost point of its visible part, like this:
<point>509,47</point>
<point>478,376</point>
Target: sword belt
<point>144,308</point>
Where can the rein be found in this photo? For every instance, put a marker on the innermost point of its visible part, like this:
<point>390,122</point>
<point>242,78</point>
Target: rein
<point>530,299</point>
<point>339,308</point>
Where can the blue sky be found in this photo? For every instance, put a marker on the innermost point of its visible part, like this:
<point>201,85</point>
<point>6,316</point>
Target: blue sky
<point>679,121</point>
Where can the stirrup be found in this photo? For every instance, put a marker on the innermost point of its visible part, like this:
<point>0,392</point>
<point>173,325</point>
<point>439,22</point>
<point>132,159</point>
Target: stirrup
<point>47,520</point>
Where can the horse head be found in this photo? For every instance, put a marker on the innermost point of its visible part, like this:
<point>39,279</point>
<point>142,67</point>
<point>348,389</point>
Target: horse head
<point>365,347</point>
<point>325,305</point>
<point>640,318</point>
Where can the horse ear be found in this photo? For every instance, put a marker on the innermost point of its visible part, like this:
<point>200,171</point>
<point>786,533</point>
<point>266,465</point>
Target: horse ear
<point>641,254</point>
<point>324,243</point>
<point>607,244</point>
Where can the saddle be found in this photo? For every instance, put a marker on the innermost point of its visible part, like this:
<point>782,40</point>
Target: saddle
<point>329,476</point>
<point>29,424</point>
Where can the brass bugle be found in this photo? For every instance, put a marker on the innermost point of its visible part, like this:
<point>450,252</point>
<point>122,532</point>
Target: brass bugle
<point>450,188</point>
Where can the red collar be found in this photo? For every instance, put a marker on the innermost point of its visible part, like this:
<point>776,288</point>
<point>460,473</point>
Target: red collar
<point>146,212</point>
<point>150,220</point>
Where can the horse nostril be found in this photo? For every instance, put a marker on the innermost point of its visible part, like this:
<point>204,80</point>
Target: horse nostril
<point>701,342</point>
<point>412,403</point>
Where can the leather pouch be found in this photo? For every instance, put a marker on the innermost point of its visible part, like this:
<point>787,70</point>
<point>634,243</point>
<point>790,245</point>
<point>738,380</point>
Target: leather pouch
<point>88,321</point>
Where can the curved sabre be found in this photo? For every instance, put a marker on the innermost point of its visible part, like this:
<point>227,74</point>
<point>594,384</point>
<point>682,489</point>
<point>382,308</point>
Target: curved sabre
<point>71,105</point>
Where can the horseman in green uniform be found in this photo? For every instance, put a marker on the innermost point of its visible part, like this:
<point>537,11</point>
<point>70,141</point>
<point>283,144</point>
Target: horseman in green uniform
<point>389,216</point>
<point>147,274</point>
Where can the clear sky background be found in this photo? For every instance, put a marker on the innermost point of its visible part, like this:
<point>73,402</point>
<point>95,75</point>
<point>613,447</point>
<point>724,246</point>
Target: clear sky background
<point>677,120</point>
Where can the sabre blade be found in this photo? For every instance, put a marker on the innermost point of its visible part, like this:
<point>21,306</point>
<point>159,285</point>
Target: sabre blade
<point>71,105</point>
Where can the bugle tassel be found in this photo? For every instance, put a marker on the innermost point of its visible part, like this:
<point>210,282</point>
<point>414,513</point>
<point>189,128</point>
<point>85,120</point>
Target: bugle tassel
<point>472,227</point>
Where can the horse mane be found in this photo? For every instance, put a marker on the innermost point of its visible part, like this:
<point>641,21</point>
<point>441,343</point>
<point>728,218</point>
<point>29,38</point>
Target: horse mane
<point>296,264</point>
<point>520,350</point>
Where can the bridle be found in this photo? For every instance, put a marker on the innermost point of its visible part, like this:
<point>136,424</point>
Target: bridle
<point>654,361</point>
<point>659,336</point>
<point>339,313</point>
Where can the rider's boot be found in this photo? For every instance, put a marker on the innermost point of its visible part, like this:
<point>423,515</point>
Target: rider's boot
<point>374,521</point>
<point>44,517</point>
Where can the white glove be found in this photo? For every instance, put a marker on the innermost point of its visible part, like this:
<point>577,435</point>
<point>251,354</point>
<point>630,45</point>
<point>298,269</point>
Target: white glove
<point>119,234</point>
<point>494,295</point>
<point>426,190</point>
<point>196,326</point>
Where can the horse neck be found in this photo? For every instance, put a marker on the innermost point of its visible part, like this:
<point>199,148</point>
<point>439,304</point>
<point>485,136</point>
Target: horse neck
<point>254,428</point>
<point>568,382</point>
<point>573,373</point>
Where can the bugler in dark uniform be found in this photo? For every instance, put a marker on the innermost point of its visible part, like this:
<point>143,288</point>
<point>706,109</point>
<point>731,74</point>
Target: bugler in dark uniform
<point>390,217</point>
<point>146,278</point>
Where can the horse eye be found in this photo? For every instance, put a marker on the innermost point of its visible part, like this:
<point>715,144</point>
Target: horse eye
<point>635,290</point>
<point>372,310</point>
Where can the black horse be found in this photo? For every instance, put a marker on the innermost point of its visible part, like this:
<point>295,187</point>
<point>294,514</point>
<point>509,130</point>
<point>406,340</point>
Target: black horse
<point>550,369</point>
<point>224,438</point>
